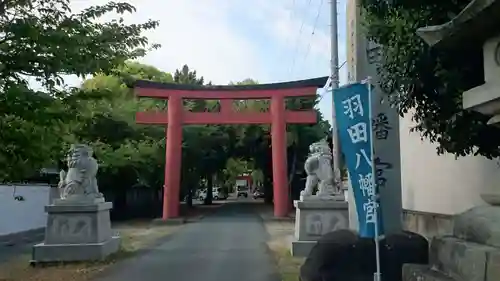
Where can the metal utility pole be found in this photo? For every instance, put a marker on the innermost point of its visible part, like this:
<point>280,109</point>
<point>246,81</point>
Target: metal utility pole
<point>334,68</point>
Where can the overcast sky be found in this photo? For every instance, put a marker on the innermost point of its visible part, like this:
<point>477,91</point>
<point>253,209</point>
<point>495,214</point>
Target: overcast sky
<point>230,40</point>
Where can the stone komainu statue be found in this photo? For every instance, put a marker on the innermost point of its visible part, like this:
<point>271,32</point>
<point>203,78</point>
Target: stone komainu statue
<point>80,179</point>
<point>318,167</point>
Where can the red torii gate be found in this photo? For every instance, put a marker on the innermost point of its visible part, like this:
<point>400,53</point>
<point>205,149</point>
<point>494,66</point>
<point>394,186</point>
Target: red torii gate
<point>175,117</point>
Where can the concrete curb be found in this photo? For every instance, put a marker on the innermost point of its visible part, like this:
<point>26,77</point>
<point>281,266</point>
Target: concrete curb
<point>202,216</point>
<point>271,218</point>
<point>24,237</point>
<point>186,219</point>
<point>174,221</point>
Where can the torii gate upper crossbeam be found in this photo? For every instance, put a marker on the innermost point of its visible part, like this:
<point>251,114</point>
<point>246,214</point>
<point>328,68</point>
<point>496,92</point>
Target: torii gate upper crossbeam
<point>278,117</point>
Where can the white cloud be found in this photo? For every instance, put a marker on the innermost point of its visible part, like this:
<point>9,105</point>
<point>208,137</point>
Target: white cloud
<point>202,35</point>
<point>205,35</point>
<point>286,23</point>
<point>310,20</point>
<point>196,33</point>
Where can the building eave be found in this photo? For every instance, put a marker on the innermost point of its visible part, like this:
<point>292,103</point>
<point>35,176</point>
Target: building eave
<point>477,22</point>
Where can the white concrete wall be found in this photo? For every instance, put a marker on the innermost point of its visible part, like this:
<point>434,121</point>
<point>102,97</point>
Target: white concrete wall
<point>442,184</point>
<point>17,216</point>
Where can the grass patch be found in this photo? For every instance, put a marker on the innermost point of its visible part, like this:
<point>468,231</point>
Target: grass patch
<point>288,266</point>
<point>135,235</point>
<point>280,234</point>
<point>140,235</point>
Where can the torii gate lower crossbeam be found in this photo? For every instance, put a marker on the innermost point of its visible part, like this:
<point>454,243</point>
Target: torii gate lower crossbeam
<point>175,117</point>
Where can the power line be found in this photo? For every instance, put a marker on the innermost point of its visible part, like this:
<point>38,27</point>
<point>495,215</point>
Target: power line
<point>326,91</point>
<point>288,37</point>
<point>314,30</point>
<point>297,41</point>
<point>292,16</point>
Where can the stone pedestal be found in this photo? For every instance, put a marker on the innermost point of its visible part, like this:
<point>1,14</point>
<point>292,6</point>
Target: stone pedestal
<point>77,232</point>
<point>314,218</point>
<point>472,252</point>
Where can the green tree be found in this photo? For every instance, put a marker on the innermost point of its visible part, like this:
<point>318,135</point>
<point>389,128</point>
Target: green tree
<point>428,83</point>
<point>135,154</point>
<point>130,155</point>
<point>186,76</point>
<point>254,141</point>
<point>234,168</point>
<point>32,130</point>
<point>43,40</point>
<point>204,146</point>
<point>189,77</point>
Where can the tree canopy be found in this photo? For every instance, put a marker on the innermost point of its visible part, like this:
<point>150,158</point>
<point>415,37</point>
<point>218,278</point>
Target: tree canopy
<point>428,83</point>
<point>44,40</point>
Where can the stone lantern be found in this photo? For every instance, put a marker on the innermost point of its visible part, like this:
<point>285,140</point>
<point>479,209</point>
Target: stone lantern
<point>478,24</point>
<point>472,252</point>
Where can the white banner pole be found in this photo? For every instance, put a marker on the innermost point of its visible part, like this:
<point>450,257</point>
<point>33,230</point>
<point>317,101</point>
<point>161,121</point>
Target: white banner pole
<point>377,275</point>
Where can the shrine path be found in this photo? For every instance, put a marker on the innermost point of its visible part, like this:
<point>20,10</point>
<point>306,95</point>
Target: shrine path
<point>225,246</point>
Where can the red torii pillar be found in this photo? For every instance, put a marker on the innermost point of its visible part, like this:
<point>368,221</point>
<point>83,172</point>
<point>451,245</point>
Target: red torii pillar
<point>175,117</point>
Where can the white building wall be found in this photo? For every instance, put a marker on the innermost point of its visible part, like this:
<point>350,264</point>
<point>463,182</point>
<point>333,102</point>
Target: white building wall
<point>442,184</point>
<point>17,216</point>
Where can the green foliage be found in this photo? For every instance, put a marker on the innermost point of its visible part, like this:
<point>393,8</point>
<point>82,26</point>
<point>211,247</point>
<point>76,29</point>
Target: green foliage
<point>185,76</point>
<point>129,154</point>
<point>234,168</point>
<point>135,70</point>
<point>31,125</point>
<point>429,83</point>
<point>42,40</point>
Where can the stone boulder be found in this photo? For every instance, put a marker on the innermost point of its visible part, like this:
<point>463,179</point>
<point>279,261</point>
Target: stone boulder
<point>399,249</point>
<point>343,255</point>
<point>480,225</point>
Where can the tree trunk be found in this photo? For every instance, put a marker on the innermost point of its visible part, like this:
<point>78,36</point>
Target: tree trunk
<point>268,189</point>
<point>121,211</point>
<point>189,197</point>
<point>208,198</point>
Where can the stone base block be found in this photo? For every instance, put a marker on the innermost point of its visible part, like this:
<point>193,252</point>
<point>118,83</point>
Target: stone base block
<point>464,260</point>
<point>78,224</point>
<point>302,248</point>
<point>419,272</point>
<point>315,218</point>
<point>77,232</point>
<point>45,253</point>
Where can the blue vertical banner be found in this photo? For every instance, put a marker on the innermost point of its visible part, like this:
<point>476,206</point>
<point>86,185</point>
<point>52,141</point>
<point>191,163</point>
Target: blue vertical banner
<point>353,110</point>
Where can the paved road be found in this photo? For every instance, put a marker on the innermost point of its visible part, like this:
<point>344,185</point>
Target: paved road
<point>226,246</point>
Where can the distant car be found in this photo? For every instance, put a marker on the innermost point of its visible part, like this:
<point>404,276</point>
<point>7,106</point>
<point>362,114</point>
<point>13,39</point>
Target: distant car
<point>242,191</point>
<point>217,194</point>
<point>222,194</point>
<point>258,194</point>
<point>202,195</point>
